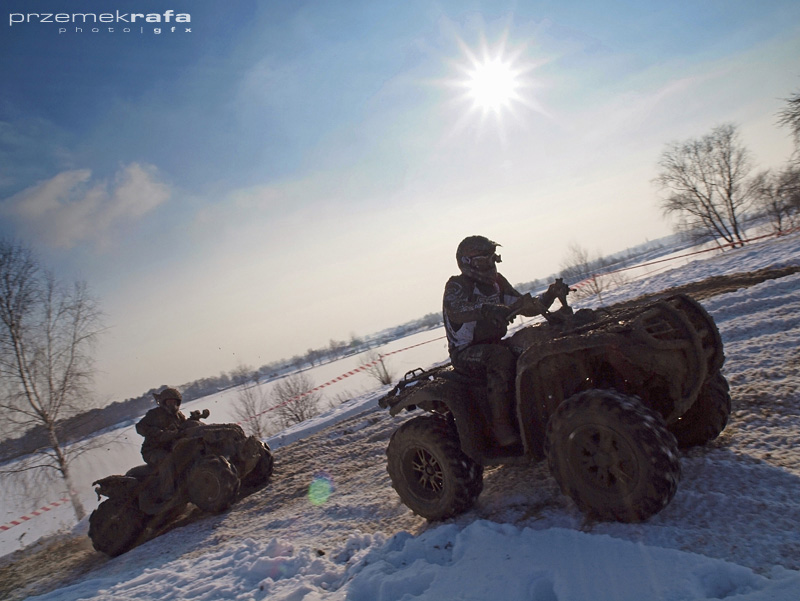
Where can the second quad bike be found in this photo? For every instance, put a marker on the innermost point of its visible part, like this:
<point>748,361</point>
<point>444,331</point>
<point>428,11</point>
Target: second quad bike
<point>606,396</point>
<point>213,465</point>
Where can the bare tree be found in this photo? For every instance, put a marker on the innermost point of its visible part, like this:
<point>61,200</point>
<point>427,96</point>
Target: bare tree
<point>707,184</point>
<point>790,117</point>
<point>47,334</point>
<point>294,399</point>
<point>580,266</point>
<point>576,265</point>
<point>339,398</point>
<point>778,198</point>
<point>251,408</point>
<point>336,348</point>
<point>376,367</point>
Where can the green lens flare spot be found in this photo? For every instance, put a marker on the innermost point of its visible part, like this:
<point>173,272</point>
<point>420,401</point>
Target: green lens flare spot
<point>320,489</point>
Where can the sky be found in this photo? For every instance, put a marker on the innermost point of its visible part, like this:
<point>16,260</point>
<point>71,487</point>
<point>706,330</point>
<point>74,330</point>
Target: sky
<point>287,173</point>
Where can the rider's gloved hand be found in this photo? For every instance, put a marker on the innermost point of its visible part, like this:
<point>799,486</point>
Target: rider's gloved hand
<point>497,315</point>
<point>197,414</point>
<point>557,289</point>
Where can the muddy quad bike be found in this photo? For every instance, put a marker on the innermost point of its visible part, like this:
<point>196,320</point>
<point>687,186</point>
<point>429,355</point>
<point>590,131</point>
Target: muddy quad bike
<point>213,465</point>
<point>605,396</point>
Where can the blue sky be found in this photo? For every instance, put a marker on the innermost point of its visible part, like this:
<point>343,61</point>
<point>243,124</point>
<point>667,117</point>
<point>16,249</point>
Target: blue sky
<point>291,172</point>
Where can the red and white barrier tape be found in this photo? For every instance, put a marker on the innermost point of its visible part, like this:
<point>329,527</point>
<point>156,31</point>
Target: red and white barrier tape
<point>697,252</point>
<point>342,377</point>
<point>33,514</point>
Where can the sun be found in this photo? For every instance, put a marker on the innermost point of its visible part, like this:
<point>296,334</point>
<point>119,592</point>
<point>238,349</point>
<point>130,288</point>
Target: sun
<point>496,82</point>
<point>493,84</point>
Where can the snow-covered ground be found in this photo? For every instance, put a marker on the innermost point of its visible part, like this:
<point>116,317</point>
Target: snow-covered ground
<point>731,532</point>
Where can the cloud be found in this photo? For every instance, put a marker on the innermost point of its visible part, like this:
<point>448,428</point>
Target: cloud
<point>72,208</point>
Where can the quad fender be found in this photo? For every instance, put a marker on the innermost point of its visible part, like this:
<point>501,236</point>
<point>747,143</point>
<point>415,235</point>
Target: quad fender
<point>705,326</point>
<point>655,352</point>
<point>140,472</point>
<point>427,390</point>
<point>116,487</point>
<point>418,388</point>
<point>223,440</point>
<point>445,391</point>
<point>249,455</point>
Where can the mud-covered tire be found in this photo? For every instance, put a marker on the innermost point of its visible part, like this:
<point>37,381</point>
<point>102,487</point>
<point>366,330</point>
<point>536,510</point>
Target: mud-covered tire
<point>430,473</point>
<point>704,325</point>
<point>612,456</point>
<point>116,526</point>
<point>261,473</point>
<point>707,418</point>
<point>213,484</point>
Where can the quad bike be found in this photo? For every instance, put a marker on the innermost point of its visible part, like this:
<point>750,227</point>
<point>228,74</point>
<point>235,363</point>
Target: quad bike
<point>213,465</point>
<point>606,396</point>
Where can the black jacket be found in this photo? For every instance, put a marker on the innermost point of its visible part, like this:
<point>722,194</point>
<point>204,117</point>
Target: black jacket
<point>160,429</point>
<point>464,308</point>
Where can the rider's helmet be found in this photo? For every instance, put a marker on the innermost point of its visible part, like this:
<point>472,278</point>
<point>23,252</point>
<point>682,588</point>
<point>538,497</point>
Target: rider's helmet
<point>167,394</point>
<point>476,258</point>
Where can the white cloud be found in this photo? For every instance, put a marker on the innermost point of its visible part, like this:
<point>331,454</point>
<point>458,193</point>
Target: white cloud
<point>72,208</point>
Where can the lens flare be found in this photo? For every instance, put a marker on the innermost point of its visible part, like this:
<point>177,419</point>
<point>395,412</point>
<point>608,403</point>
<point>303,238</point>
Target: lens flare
<point>320,489</point>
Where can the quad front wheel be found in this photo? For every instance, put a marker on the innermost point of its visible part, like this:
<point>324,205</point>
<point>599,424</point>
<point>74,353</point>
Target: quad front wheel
<point>115,526</point>
<point>612,456</point>
<point>429,471</point>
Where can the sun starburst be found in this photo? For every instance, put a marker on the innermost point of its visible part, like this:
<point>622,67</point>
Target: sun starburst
<point>495,81</point>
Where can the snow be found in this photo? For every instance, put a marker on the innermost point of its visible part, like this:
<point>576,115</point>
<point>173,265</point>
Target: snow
<point>483,560</point>
<point>731,532</point>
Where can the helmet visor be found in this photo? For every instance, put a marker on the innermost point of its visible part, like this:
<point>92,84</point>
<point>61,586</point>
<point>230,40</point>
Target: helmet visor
<point>484,262</point>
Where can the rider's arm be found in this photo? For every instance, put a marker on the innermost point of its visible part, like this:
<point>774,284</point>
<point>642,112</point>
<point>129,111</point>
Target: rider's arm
<point>154,430</point>
<point>457,304</point>
<point>539,305</point>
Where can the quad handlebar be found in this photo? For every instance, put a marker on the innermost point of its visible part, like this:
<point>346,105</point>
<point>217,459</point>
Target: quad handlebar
<point>557,290</point>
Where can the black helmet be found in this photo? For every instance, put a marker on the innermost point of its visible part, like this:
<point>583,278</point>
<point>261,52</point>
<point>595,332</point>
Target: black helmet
<point>476,258</point>
<point>167,394</point>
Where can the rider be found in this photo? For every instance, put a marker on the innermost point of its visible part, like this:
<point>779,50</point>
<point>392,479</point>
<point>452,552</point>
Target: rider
<point>161,428</point>
<point>477,306</point>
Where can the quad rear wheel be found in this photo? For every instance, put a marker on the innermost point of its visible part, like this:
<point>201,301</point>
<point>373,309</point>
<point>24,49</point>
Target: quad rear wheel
<point>707,418</point>
<point>261,473</point>
<point>433,477</point>
<point>612,456</point>
<point>213,484</point>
